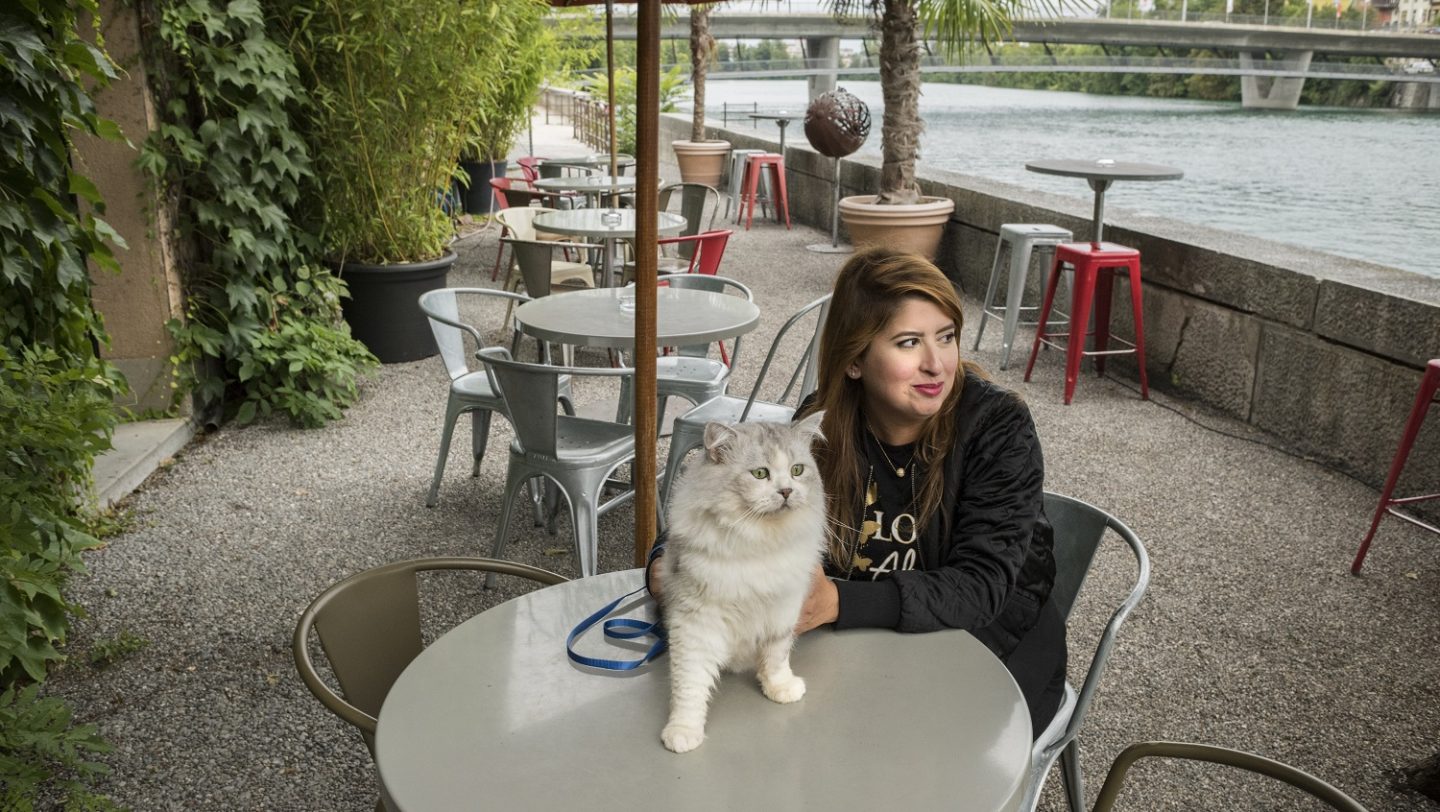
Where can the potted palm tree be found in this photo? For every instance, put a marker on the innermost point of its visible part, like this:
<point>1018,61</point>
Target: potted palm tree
<point>392,90</point>
<point>898,215</point>
<point>701,160</point>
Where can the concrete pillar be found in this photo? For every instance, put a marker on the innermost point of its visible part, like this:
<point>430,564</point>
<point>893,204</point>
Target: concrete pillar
<point>824,53</point>
<point>1271,92</point>
<point>146,293</point>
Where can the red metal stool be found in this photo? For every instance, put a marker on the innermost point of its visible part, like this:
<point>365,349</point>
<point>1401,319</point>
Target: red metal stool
<point>758,163</point>
<point>1429,384</point>
<point>1095,264</point>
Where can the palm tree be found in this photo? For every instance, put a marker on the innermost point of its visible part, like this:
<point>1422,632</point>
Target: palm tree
<point>957,25</point>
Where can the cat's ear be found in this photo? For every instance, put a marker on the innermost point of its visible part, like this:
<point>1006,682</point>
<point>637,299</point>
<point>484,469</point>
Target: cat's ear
<point>811,425</point>
<point>718,437</point>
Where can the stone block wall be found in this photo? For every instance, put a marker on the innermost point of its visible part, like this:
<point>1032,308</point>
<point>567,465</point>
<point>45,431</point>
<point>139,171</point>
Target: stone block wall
<point>1323,352</point>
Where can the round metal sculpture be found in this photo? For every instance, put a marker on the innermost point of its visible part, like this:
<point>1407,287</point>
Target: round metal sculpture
<point>837,123</point>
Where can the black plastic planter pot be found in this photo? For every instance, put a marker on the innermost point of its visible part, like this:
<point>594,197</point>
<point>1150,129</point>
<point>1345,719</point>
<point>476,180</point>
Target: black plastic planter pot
<point>383,310</point>
<point>477,195</point>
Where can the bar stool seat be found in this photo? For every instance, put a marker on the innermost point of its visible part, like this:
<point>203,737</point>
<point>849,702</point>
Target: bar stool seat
<point>757,165</point>
<point>1424,399</point>
<point>1024,239</point>
<point>1095,267</point>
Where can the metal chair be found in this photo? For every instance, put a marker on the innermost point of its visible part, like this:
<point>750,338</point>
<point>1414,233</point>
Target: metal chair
<point>577,454</point>
<point>469,390</point>
<point>522,218</point>
<point>1079,529</point>
<point>688,430</point>
<point>706,251</point>
<point>690,373</point>
<point>1023,240</point>
<point>1297,778</point>
<point>369,626</point>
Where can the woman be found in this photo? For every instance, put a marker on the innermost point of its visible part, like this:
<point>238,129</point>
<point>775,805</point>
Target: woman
<point>934,480</point>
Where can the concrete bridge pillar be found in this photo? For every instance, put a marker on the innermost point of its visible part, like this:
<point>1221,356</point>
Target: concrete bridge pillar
<point>824,52</point>
<point>1273,92</point>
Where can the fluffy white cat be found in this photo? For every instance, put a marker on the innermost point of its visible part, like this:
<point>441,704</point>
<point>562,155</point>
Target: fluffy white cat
<point>747,529</point>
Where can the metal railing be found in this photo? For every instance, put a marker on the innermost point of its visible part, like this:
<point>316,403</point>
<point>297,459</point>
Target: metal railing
<point>586,114</point>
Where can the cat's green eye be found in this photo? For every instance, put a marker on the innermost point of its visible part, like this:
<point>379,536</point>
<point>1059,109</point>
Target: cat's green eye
<point>760,473</point>
<point>797,469</point>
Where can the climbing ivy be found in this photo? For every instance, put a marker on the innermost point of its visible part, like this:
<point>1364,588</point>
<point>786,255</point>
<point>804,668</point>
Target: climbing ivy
<point>262,332</point>
<point>56,392</point>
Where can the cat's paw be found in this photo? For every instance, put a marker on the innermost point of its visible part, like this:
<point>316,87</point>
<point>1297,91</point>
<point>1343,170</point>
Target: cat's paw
<point>679,738</point>
<point>784,691</point>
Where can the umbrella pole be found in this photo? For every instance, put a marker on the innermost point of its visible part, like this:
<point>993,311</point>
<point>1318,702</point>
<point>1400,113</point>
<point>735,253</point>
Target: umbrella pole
<point>610,78</point>
<point>647,193</point>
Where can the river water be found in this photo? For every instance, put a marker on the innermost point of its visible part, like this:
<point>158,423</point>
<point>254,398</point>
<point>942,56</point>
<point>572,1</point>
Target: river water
<point>1358,183</point>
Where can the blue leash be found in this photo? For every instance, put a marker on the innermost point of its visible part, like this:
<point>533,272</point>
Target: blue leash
<point>621,628</point>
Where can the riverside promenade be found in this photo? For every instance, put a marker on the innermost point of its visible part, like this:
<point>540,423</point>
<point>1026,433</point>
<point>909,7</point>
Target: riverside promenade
<point>1253,634</point>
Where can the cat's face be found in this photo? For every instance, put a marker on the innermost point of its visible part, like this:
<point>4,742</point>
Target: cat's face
<point>762,469</point>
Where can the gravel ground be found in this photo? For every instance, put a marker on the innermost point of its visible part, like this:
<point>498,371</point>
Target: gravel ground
<point>1252,635</point>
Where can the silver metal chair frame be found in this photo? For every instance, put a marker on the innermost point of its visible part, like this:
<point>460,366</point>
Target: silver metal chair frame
<point>1079,529</point>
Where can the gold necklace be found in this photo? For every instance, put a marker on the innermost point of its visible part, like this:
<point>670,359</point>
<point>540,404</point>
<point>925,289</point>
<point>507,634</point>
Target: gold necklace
<point>899,469</point>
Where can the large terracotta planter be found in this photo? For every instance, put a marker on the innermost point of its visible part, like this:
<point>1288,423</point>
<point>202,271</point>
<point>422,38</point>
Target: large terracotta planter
<point>914,228</point>
<point>383,308</point>
<point>702,161</point>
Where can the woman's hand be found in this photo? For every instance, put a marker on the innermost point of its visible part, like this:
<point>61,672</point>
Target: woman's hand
<point>821,606</point>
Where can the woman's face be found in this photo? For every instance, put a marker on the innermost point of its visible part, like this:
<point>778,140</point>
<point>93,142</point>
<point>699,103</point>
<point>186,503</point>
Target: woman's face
<point>908,370</point>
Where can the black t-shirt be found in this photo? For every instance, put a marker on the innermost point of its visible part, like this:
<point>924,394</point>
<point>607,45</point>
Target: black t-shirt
<point>889,529</point>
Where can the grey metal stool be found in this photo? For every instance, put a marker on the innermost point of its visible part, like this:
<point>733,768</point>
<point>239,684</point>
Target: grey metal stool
<point>738,159</point>
<point>1024,240</point>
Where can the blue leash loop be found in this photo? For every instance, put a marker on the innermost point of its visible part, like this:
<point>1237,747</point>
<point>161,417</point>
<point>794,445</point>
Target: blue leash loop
<point>621,628</point>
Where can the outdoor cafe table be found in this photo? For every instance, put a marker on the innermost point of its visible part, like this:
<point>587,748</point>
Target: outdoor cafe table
<point>494,715</point>
<point>1101,174</point>
<point>592,224</point>
<point>596,161</point>
<point>782,119</point>
<point>605,317</point>
<point>592,186</point>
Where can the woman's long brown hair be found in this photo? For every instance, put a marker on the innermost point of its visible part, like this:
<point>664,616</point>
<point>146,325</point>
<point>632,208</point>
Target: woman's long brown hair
<point>869,291</point>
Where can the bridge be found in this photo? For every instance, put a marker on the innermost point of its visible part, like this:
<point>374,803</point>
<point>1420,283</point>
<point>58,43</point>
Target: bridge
<point>1274,61</point>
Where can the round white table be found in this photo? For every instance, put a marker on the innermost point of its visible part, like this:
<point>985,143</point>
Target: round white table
<point>605,225</point>
<point>592,186</point>
<point>493,714</point>
<point>1100,174</point>
<point>605,317</point>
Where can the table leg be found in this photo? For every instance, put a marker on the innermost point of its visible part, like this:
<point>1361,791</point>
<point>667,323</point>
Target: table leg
<point>1099,186</point>
<point>607,263</point>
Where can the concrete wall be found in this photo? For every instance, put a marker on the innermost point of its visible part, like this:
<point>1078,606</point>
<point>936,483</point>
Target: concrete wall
<point>1323,352</point>
<point>136,303</point>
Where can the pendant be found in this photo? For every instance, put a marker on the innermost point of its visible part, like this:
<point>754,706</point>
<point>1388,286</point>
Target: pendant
<point>900,472</point>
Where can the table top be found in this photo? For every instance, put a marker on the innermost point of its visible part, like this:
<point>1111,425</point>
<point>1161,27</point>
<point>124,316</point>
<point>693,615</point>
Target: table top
<point>1105,169</point>
<point>588,223</point>
<point>587,183</point>
<point>493,710</point>
<point>597,159</point>
<point>605,317</point>
<point>781,117</point>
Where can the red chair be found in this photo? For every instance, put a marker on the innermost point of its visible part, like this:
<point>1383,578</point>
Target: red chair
<point>1095,264</point>
<point>1429,385</point>
<point>529,166</point>
<point>775,164</point>
<point>709,250</point>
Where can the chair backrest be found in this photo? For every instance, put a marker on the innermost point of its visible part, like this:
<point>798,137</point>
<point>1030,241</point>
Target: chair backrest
<point>369,627</point>
<point>529,167</point>
<point>693,199</point>
<point>712,284</point>
<point>804,370</point>
<point>501,187</point>
<point>704,250</point>
<point>521,220</point>
<point>524,386</point>
<point>536,260</point>
<point>1079,529</point>
<point>443,307</point>
<point>1219,755</point>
